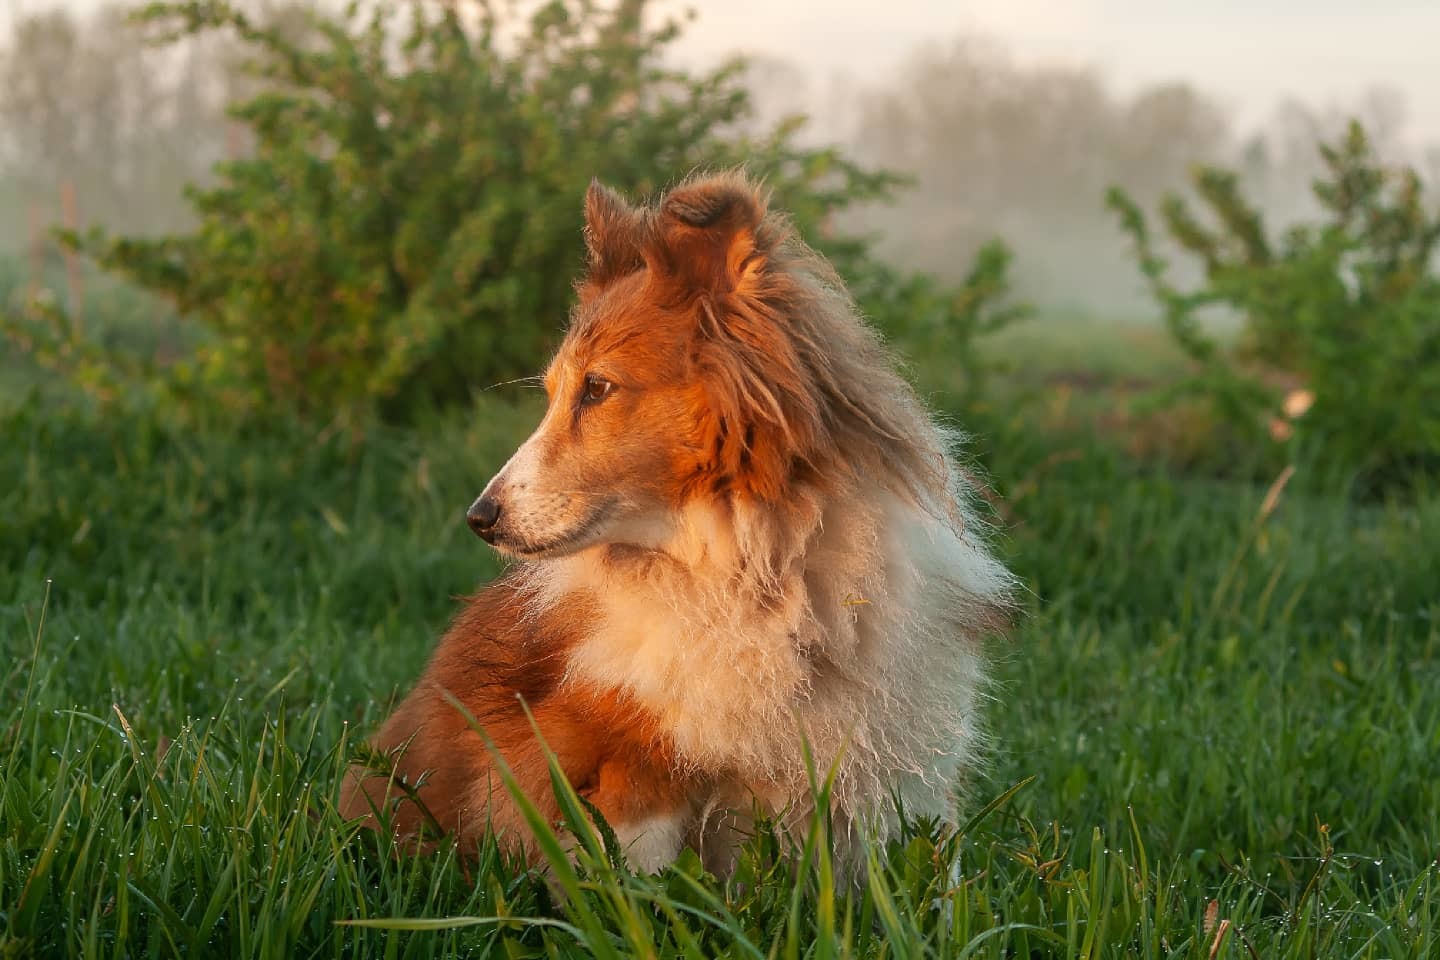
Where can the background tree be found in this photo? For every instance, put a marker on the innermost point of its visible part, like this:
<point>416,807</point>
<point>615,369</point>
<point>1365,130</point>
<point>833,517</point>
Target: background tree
<point>1026,152</point>
<point>407,225</point>
<point>1345,307</point>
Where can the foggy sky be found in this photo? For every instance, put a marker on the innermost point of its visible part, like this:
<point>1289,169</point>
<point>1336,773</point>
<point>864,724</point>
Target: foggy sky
<point>1250,54</point>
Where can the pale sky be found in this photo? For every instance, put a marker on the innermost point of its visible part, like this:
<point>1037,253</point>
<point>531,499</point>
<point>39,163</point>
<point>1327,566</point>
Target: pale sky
<point>1248,53</point>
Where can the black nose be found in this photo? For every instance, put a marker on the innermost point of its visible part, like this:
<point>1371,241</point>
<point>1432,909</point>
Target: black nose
<point>483,515</point>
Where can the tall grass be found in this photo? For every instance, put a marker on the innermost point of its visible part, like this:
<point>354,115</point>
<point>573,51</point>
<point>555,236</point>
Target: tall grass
<point>1218,729</point>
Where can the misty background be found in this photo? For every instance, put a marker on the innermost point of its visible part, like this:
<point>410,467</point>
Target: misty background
<point>1012,117</point>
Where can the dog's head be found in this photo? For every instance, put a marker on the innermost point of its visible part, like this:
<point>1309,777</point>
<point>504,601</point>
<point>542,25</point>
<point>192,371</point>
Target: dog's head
<point>678,377</point>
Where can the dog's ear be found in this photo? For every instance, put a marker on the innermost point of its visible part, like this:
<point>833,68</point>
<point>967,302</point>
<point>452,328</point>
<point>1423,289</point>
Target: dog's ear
<point>707,234</point>
<point>612,234</point>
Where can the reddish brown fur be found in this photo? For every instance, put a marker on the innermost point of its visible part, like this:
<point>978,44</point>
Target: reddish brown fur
<point>698,330</point>
<point>702,307</point>
<point>492,658</point>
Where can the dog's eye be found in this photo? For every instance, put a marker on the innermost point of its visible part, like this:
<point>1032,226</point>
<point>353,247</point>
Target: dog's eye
<point>596,389</point>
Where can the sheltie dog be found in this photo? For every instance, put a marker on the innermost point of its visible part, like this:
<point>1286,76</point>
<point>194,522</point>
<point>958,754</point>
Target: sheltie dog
<point>738,534</point>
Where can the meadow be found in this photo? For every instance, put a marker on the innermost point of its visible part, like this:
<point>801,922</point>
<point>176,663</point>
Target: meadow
<point>1216,730</point>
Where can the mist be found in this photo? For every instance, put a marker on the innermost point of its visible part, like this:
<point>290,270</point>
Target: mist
<point>97,126</point>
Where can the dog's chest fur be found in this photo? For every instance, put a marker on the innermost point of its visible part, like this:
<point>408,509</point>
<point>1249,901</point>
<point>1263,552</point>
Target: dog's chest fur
<point>848,626</point>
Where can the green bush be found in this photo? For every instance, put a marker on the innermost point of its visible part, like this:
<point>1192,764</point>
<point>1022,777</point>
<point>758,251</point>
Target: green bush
<point>941,325</point>
<point>407,229</point>
<point>1341,317</point>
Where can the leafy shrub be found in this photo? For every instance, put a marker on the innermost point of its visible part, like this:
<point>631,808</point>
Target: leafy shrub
<point>408,226</point>
<point>1340,348</point>
<point>936,320</point>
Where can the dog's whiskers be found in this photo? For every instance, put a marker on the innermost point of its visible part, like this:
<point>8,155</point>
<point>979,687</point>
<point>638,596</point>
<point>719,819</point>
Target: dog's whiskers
<point>531,381</point>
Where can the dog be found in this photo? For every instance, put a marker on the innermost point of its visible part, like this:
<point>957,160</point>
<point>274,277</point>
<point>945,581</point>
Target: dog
<point>739,535</point>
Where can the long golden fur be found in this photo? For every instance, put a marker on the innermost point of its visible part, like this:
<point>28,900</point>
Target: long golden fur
<point>738,529</point>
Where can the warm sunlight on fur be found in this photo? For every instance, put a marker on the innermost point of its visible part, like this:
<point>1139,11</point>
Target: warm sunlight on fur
<point>738,528</point>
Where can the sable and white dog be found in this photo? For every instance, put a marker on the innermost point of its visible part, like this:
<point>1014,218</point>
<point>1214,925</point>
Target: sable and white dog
<point>738,530</point>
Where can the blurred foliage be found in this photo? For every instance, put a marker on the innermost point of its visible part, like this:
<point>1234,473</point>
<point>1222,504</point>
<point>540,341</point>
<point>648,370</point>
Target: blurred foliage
<point>87,105</point>
<point>1025,150</point>
<point>407,226</point>
<point>934,319</point>
<point>1339,356</point>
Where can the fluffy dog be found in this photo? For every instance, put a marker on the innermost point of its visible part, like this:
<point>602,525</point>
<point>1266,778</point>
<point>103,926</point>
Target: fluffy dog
<point>738,531</point>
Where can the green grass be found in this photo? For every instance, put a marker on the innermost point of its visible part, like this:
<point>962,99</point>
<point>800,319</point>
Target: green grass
<point>1073,346</point>
<point>1226,723</point>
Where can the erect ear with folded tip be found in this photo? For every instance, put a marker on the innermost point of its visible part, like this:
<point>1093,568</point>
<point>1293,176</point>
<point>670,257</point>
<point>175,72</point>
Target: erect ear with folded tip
<point>706,234</point>
<point>612,234</point>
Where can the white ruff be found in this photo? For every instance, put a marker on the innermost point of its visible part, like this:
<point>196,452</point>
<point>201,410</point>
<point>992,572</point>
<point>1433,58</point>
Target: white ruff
<point>853,623</point>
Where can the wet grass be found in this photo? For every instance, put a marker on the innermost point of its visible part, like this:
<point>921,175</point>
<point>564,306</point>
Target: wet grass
<point>1222,716</point>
